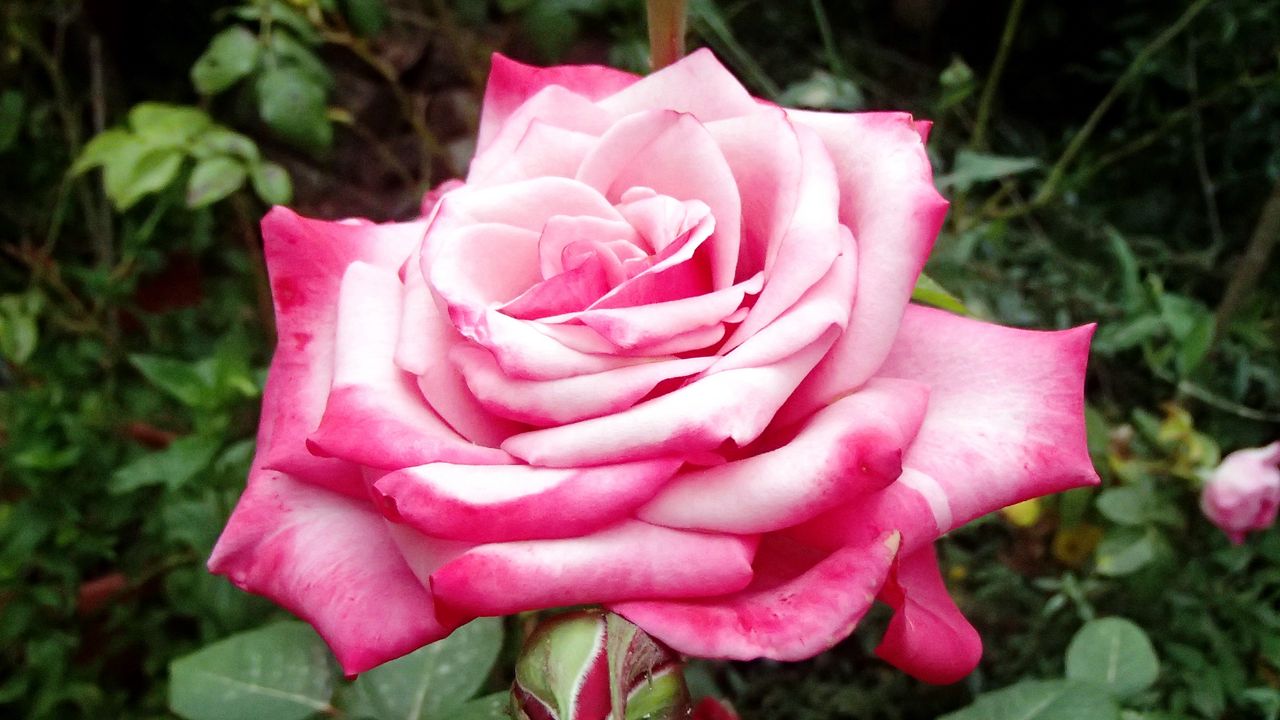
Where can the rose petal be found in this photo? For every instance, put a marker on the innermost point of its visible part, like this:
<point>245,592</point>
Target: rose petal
<point>630,560</point>
<point>630,328</point>
<point>913,506</point>
<point>888,201</point>
<point>823,307</point>
<point>850,448</point>
<point>764,154</point>
<point>306,259</point>
<point>698,84</point>
<point>375,415</point>
<point>561,231</point>
<point>568,292</point>
<point>800,603</point>
<point>811,239</point>
<point>481,265</point>
<point>688,422</point>
<point>526,204</point>
<point>1006,409</point>
<point>928,638</point>
<point>555,402</point>
<point>518,502</point>
<point>330,560</point>
<point>543,150</point>
<point>511,84</point>
<point>422,348</point>
<point>675,156</point>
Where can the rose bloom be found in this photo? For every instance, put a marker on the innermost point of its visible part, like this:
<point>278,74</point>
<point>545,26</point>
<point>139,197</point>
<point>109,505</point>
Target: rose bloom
<point>1243,494</point>
<point>657,354</point>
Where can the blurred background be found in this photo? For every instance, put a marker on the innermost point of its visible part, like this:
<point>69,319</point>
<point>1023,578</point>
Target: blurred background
<point>1107,160</point>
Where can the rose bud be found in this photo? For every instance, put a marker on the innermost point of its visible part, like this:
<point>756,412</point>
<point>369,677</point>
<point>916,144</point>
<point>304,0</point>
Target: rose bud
<point>655,352</point>
<point>1243,493</point>
<point>590,665</point>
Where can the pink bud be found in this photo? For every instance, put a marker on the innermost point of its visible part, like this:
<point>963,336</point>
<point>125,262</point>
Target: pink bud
<point>1243,494</point>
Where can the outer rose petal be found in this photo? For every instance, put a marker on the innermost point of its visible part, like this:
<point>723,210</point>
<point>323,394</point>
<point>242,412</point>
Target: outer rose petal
<point>544,150</point>
<point>888,200</point>
<point>630,560</point>
<point>852,447</point>
<point>908,507</point>
<point>306,259</point>
<point>375,416</point>
<point>698,85</point>
<point>331,561</point>
<point>927,638</point>
<point>512,83</point>
<point>504,503</point>
<point>800,604</point>
<point>1006,409</point>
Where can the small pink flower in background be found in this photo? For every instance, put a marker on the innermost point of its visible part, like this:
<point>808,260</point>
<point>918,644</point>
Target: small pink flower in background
<point>1243,494</point>
<point>655,353</point>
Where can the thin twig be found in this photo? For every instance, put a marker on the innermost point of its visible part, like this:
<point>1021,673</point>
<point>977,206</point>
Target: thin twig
<point>979,137</point>
<point>257,265</point>
<point>834,59</point>
<point>1207,186</point>
<point>1266,234</point>
<point>1139,63</point>
<point>413,115</point>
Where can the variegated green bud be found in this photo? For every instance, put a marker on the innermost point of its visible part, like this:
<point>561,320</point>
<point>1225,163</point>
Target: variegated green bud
<point>592,665</point>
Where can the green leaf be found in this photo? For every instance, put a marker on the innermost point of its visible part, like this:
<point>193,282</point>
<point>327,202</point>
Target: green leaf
<point>107,147</point>
<point>971,168</point>
<point>165,125</point>
<point>496,706</point>
<point>431,683</point>
<point>289,52</point>
<point>1041,700</point>
<point>551,26</point>
<point>282,15</point>
<point>1135,296</point>
<point>1195,345</point>
<point>271,182</point>
<point>293,104</point>
<point>929,292</point>
<point>214,179</point>
<point>823,91</point>
<point>1125,505</point>
<point>1115,653</point>
<point>1126,550</point>
<point>174,466</point>
<point>1119,336</point>
<point>231,56</point>
<point>179,379</point>
<point>281,672</point>
<point>366,17</point>
<point>12,109</point>
<point>218,140</point>
<point>19,331</point>
<point>151,171</point>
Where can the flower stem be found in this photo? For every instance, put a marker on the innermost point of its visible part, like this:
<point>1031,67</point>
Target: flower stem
<point>666,32</point>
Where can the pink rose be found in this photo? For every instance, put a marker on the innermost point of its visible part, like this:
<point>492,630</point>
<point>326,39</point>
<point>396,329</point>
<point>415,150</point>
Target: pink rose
<point>1243,494</point>
<point>656,354</point>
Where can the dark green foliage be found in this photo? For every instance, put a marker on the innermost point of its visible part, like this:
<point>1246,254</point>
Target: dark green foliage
<point>140,147</point>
